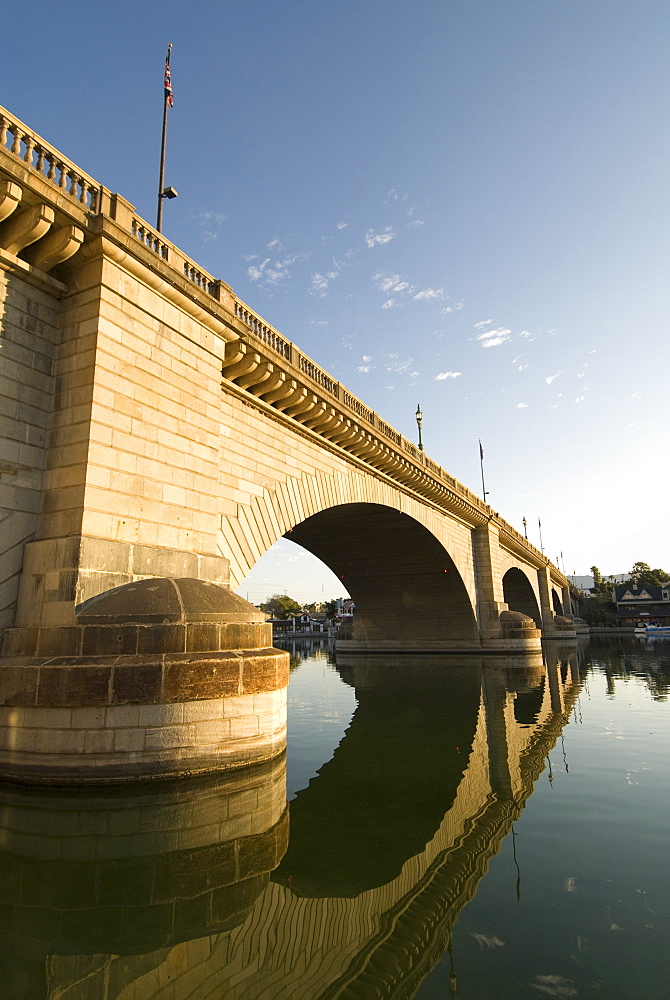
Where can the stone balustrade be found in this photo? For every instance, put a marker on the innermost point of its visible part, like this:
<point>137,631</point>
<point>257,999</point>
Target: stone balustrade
<point>150,238</point>
<point>44,159</point>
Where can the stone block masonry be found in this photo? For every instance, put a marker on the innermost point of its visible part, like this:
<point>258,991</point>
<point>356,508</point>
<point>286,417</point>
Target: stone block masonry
<point>191,686</point>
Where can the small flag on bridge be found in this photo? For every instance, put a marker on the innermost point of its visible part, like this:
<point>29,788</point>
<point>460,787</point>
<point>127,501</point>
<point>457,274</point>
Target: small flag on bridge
<point>167,81</point>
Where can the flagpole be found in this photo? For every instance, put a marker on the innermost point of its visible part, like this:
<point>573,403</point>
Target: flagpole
<point>167,93</point>
<point>481,462</point>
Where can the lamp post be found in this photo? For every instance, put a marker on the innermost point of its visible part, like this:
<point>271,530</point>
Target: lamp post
<point>525,529</point>
<point>163,191</point>
<point>419,424</point>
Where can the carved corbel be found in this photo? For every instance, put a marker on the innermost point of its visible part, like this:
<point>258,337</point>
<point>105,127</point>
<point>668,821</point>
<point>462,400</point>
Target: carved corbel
<point>253,378</point>
<point>249,362</point>
<point>308,402</point>
<point>316,415</point>
<point>364,447</point>
<point>10,196</point>
<point>344,434</point>
<point>323,417</point>
<point>296,395</point>
<point>57,246</point>
<point>281,387</point>
<point>273,381</point>
<point>234,352</point>
<point>26,227</point>
<point>328,422</point>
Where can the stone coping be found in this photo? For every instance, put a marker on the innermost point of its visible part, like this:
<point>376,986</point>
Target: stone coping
<point>134,639</point>
<point>70,682</point>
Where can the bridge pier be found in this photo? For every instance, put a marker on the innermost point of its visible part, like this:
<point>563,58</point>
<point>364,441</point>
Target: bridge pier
<point>157,678</point>
<point>500,630</point>
<point>554,626</point>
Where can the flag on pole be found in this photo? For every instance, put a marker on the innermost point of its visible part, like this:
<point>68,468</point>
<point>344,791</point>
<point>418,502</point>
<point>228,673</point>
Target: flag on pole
<point>167,82</point>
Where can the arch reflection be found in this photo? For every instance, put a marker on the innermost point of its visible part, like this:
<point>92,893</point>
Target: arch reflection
<point>388,843</point>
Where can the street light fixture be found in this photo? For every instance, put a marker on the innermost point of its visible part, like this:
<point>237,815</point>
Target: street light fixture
<point>525,529</point>
<point>419,424</point>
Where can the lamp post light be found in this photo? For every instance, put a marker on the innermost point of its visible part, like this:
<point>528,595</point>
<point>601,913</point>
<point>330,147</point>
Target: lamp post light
<point>525,529</point>
<point>419,424</point>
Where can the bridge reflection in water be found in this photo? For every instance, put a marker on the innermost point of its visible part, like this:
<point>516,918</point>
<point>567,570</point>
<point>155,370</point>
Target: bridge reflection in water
<point>195,888</point>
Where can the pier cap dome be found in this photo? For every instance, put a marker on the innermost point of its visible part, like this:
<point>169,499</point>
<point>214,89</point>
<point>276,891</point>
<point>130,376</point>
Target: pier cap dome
<point>165,600</point>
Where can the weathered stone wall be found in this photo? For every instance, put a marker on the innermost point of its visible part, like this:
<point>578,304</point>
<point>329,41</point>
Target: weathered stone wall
<point>28,341</point>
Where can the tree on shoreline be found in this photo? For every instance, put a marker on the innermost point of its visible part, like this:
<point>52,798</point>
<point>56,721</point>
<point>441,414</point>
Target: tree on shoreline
<point>644,576</point>
<point>280,606</point>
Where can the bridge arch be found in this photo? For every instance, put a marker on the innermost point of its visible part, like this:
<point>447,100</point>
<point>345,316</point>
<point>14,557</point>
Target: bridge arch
<point>556,602</point>
<point>403,581</point>
<point>520,596</point>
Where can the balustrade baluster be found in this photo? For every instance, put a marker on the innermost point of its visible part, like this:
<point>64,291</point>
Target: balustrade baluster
<point>39,166</point>
<point>74,180</point>
<point>28,155</point>
<point>4,125</point>
<point>63,175</point>
<point>51,176</point>
<point>16,145</point>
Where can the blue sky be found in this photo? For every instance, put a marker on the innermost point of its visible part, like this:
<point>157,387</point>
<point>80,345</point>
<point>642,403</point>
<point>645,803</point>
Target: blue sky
<point>458,203</point>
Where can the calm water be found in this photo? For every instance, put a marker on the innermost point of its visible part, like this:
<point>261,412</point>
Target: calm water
<point>456,827</point>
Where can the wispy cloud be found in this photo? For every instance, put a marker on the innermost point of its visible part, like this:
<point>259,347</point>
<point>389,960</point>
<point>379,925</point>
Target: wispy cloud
<point>375,239</point>
<point>319,282</point>
<point>554,986</point>
<point>522,406</point>
<point>342,225</point>
<point>210,223</point>
<point>273,272</point>
<point>441,376</point>
<point>367,365</point>
<point>427,294</point>
<point>392,283</point>
<point>398,285</point>
<point>454,308</point>
<point>400,366</point>
<point>394,195</point>
<point>551,378</point>
<point>488,940</point>
<point>494,337</point>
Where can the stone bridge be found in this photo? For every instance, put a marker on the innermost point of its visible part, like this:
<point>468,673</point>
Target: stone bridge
<point>156,427</point>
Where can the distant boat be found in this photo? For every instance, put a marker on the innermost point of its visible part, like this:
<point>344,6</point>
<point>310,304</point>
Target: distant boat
<point>652,630</point>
